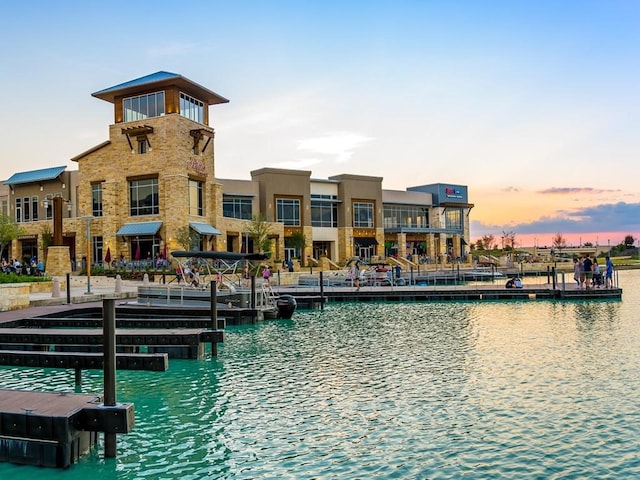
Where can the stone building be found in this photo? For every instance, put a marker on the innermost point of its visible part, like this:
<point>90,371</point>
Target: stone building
<point>134,195</point>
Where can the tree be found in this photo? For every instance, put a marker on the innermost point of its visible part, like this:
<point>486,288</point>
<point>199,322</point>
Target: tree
<point>46,236</point>
<point>559,242</point>
<point>509,239</point>
<point>9,231</point>
<point>629,241</point>
<point>299,242</point>
<point>260,231</point>
<point>488,241</point>
<point>187,238</point>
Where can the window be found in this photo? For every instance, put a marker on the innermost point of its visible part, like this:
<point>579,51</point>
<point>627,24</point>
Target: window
<point>405,216</point>
<point>143,146</point>
<point>5,207</point>
<point>18,210</point>
<point>96,202</point>
<point>288,211</point>
<point>453,218</point>
<point>196,202</point>
<point>26,210</point>
<point>143,197</point>
<point>237,207</point>
<point>363,215</point>
<point>324,210</point>
<point>191,108</point>
<point>96,250</point>
<point>34,209</point>
<point>144,106</point>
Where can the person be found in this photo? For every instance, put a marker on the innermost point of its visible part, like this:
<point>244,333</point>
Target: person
<point>355,276</point>
<point>577,271</point>
<point>266,273</point>
<point>517,283</point>
<point>40,268</point>
<point>290,265</point>
<point>597,274</point>
<point>510,283</point>
<point>608,275</point>
<point>587,267</point>
<point>398,271</point>
<point>178,273</point>
<point>246,275</point>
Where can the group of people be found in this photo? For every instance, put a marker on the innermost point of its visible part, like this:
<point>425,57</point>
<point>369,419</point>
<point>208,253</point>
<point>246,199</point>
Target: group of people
<point>32,267</point>
<point>588,274</point>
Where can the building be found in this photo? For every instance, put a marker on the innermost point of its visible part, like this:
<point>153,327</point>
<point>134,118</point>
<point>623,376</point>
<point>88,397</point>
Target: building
<point>136,195</point>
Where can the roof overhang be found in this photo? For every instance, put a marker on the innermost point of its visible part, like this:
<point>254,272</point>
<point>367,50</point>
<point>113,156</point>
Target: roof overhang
<point>139,229</point>
<point>204,228</point>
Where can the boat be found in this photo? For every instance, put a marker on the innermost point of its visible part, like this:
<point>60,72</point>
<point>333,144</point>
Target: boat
<point>228,272</point>
<point>482,274</point>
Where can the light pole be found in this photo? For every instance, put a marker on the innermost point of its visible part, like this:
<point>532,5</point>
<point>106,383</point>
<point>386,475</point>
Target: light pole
<point>88,219</point>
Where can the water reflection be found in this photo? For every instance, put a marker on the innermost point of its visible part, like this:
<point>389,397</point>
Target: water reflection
<point>525,389</point>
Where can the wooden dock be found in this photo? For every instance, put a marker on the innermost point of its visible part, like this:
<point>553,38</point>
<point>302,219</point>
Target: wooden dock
<point>55,429</point>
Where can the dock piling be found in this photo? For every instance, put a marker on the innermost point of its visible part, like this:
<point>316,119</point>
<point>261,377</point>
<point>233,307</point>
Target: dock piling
<point>109,352</point>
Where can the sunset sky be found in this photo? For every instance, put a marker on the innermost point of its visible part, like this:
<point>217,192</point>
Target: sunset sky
<point>535,105</point>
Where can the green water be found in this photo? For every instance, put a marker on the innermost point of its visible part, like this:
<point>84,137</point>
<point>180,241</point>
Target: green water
<point>530,389</point>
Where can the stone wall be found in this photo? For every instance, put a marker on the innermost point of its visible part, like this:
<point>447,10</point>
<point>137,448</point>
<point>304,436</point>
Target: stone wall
<point>14,296</point>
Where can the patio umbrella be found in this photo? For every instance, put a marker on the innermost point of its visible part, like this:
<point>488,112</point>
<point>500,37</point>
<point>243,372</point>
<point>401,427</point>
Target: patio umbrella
<point>107,257</point>
<point>164,252</point>
<point>137,255</point>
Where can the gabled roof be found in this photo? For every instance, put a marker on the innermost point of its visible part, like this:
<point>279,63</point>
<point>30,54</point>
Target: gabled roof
<point>158,80</point>
<point>35,175</point>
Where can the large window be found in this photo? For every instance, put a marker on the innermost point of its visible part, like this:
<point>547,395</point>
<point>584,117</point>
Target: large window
<point>237,207</point>
<point>288,211</point>
<point>453,218</point>
<point>143,197</point>
<point>196,201</point>
<point>144,106</point>
<point>18,210</point>
<point>363,215</point>
<point>26,209</point>
<point>405,216</point>
<point>324,210</point>
<point>5,207</point>
<point>191,108</point>
<point>96,199</point>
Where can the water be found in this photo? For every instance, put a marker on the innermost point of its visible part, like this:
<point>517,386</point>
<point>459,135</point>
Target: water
<point>531,389</point>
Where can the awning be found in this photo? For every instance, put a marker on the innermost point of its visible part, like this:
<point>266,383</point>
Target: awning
<point>365,241</point>
<point>138,229</point>
<point>204,228</point>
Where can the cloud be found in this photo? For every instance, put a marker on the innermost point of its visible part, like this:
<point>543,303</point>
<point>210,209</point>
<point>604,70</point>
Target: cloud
<point>339,145</point>
<point>574,190</point>
<point>299,164</point>
<point>621,216</point>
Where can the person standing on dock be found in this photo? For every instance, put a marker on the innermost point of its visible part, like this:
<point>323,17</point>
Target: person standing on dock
<point>355,275</point>
<point>577,271</point>
<point>587,267</point>
<point>608,276</point>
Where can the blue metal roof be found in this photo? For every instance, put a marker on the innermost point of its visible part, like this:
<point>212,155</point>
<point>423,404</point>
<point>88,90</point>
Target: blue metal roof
<point>35,175</point>
<point>139,228</point>
<point>204,228</point>
<point>154,77</point>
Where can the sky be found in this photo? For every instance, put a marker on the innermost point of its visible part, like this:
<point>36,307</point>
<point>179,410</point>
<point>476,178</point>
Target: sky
<point>534,105</point>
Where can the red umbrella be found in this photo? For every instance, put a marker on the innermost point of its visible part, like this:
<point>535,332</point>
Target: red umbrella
<point>107,257</point>
<point>137,256</point>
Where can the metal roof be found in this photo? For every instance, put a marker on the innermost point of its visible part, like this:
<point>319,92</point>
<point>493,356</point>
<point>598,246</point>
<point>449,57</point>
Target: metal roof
<point>158,80</point>
<point>139,228</point>
<point>35,175</point>
<point>204,228</point>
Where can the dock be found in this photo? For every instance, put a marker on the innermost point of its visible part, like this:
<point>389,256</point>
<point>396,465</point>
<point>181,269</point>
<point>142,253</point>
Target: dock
<point>55,429</point>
